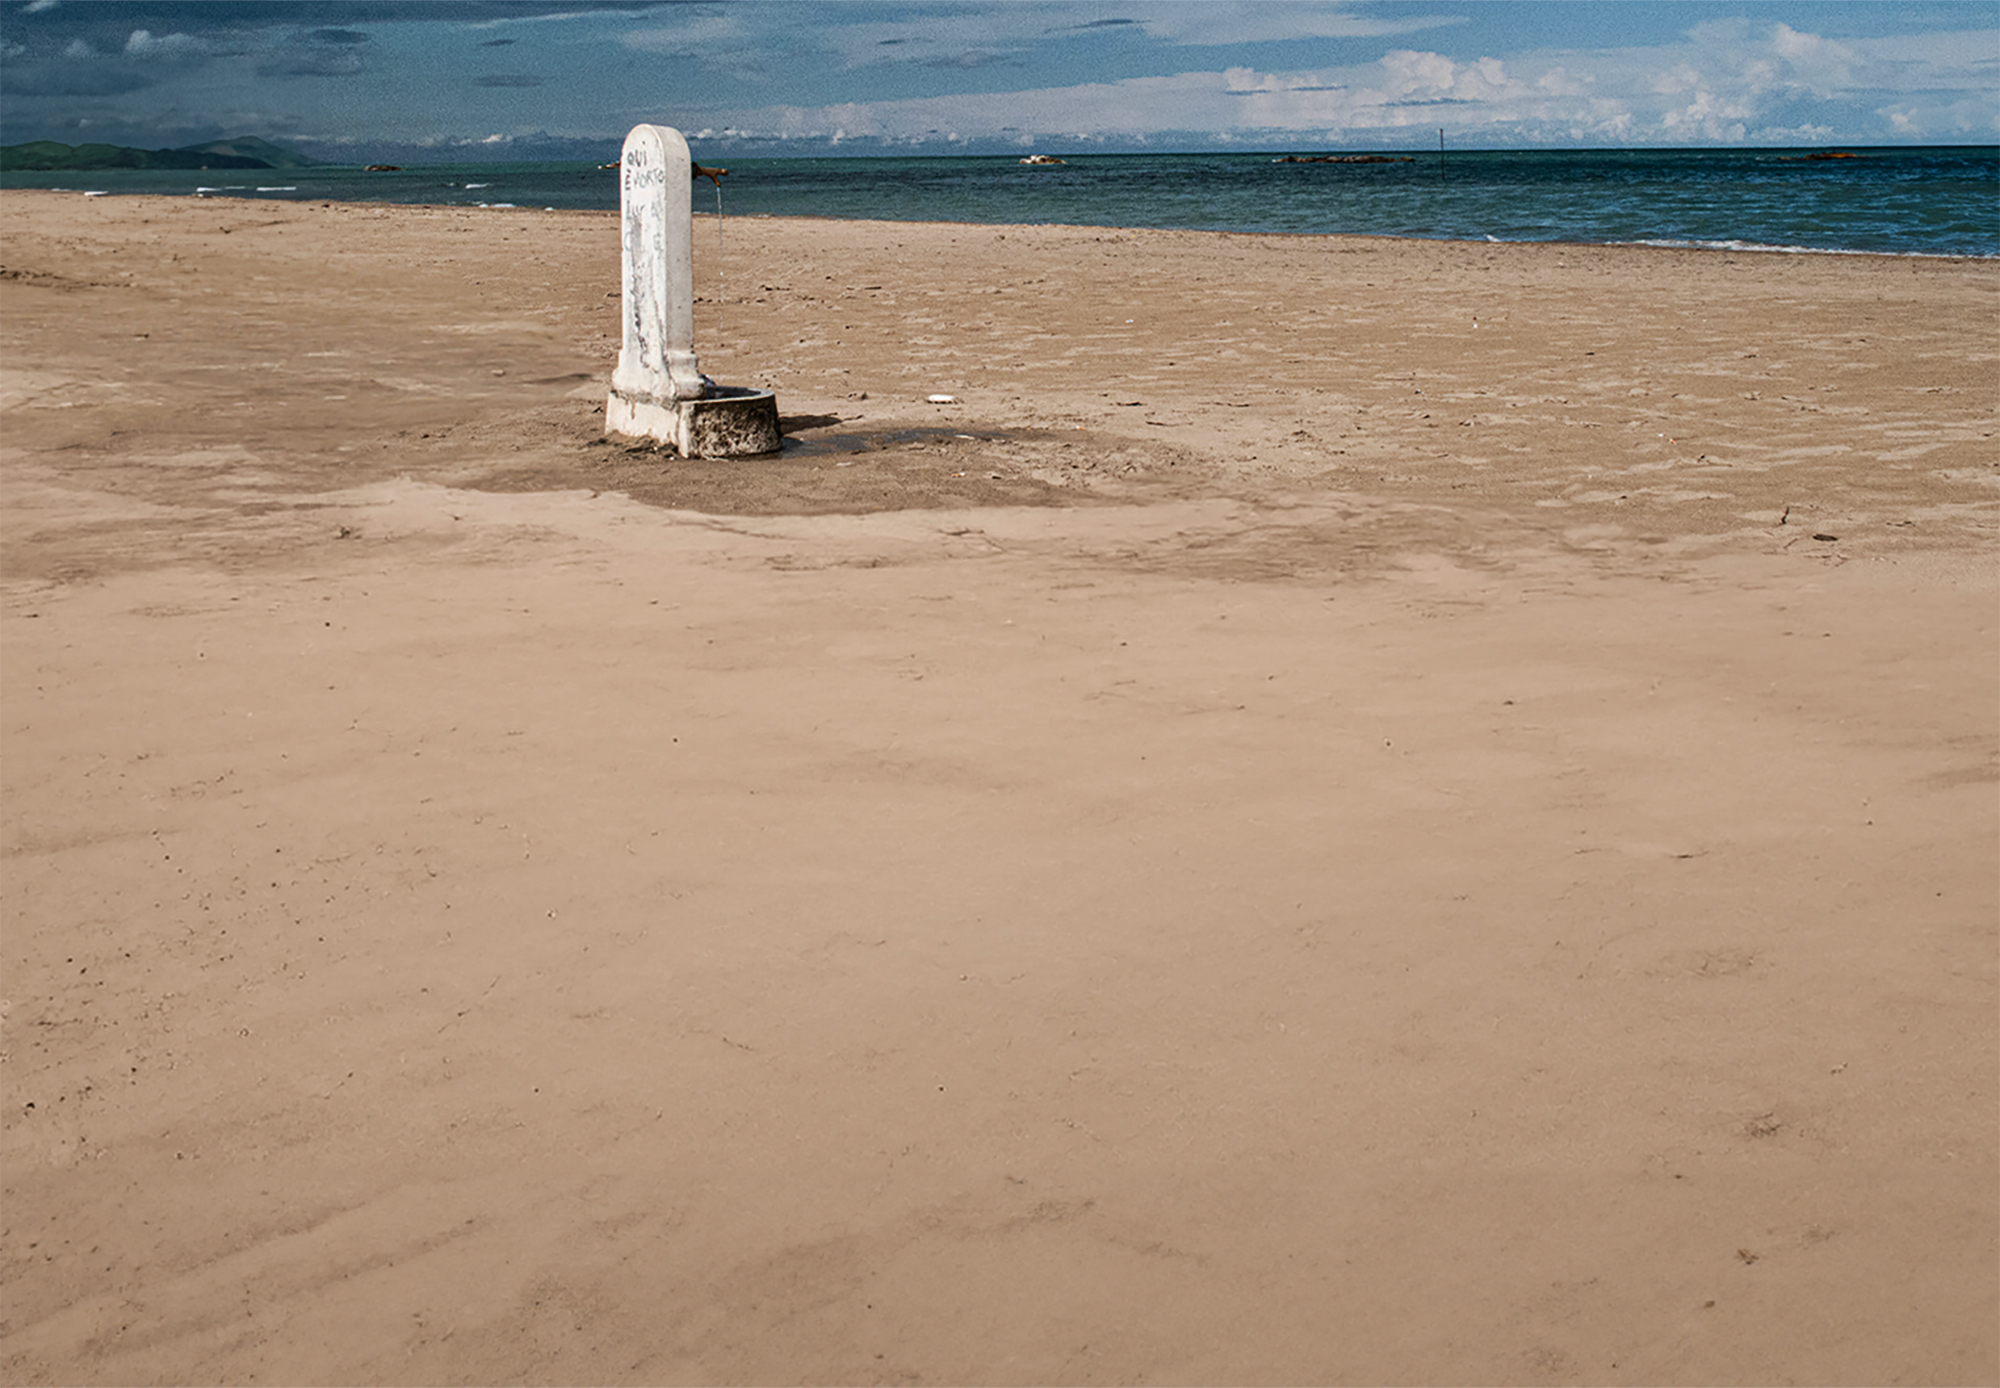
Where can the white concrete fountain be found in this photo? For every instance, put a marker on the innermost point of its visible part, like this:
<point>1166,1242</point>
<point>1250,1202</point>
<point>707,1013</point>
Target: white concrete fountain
<point>658,391</point>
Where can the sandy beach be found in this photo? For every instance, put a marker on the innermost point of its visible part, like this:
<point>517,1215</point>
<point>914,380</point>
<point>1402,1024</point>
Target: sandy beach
<point>1353,811</point>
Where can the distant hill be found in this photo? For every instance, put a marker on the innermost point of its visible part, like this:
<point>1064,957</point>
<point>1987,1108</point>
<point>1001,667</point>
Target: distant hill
<point>250,147</point>
<point>244,152</point>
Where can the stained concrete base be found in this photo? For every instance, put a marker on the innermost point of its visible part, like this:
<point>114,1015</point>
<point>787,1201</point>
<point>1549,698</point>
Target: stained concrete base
<point>729,422</point>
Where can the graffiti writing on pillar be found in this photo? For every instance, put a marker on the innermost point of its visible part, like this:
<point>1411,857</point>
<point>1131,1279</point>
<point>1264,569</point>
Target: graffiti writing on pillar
<point>640,171</point>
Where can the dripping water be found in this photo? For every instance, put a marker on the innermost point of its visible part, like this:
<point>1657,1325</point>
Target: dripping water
<point>721,299</point>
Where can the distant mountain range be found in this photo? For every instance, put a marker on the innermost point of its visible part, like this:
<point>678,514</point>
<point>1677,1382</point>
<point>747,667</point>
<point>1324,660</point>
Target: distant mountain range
<point>244,152</point>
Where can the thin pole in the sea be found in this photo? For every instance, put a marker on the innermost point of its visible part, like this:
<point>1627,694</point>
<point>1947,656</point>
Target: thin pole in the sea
<point>1440,156</point>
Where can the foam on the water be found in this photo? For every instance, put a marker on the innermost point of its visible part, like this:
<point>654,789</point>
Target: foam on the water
<point>1761,249</point>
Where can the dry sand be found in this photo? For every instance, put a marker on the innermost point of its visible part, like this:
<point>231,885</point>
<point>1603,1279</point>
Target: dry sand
<point>1355,812</point>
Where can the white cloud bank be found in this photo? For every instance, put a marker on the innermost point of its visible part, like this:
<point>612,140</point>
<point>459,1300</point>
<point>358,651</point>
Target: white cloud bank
<point>1727,82</point>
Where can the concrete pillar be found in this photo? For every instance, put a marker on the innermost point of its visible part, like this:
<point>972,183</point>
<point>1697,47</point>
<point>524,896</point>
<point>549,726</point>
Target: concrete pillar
<point>657,390</point>
<point>656,361</point>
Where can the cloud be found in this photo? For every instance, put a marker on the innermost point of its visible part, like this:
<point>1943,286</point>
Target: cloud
<point>1778,58</point>
<point>1720,82</point>
<point>1935,61</point>
<point>906,73</point>
<point>1820,65</point>
<point>1407,88</point>
<point>690,36</point>
<point>1681,77</point>
<point>1214,25</point>
<point>1803,134</point>
<point>489,14</point>
<point>886,36</point>
<point>1969,118</point>
<point>317,53</point>
<point>1681,98</point>
<point>1558,81</point>
<point>1709,118</point>
<point>1736,80</point>
<point>1410,73</point>
<point>173,48</point>
<point>974,59</point>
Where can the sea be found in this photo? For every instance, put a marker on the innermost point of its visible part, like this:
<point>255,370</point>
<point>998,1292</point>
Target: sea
<point>1931,201</point>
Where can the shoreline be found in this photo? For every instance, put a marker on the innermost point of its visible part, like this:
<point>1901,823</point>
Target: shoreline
<point>1391,811</point>
<point>1729,248</point>
<point>703,217</point>
<point>1930,201</point>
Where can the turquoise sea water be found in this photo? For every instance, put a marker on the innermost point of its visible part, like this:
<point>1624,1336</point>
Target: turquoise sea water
<point>1901,201</point>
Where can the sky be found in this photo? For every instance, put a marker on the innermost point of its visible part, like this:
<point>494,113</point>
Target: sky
<point>365,81</point>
